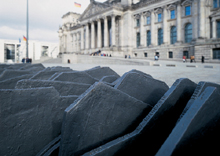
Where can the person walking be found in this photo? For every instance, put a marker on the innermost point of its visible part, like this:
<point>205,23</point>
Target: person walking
<point>27,60</point>
<point>23,60</point>
<point>184,59</point>
<point>203,59</point>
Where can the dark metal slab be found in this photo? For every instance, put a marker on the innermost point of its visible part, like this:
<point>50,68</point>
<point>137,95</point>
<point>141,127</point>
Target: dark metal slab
<point>197,133</point>
<point>64,88</point>
<point>79,77</point>
<point>142,87</point>
<point>101,114</point>
<point>147,138</point>
<point>30,119</point>
<point>100,72</point>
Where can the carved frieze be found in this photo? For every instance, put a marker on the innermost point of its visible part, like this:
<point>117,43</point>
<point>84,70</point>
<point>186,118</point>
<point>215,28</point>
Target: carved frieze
<point>137,16</point>
<point>158,10</point>
<point>187,2</point>
<point>147,13</point>
<point>171,7</point>
<point>94,9</point>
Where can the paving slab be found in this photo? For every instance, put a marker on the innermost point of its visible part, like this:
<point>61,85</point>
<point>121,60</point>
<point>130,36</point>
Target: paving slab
<point>30,119</point>
<point>79,77</point>
<point>142,87</point>
<point>197,133</point>
<point>11,83</point>
<point>100,72</point>
<point>101,114</point>
<point>64,88</point>
<point>8,74</point>
<point>150,134</point>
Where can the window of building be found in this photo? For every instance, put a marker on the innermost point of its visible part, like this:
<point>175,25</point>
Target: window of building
<point>10,52</point>
<point>148,38</point>
<point>187,10</point>
<point>188,33</point>
<point>186,53</point>
<point>148,19</point>
<point>170,54</point>
<point>145,54</point>
<point>218,29</point>
<point>138,40</point>
<point>216,53</point>
<point>215,3</point>
<point>159,17</point>
<point>137,22</point>
<point>173,35</point>
<point>172,13</point>
<point>160,36</point>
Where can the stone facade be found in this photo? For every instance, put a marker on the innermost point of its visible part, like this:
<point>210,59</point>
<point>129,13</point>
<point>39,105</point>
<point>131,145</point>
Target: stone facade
<point>143,28</point>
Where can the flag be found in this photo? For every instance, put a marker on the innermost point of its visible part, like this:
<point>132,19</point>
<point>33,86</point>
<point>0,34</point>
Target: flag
<point>77,5</point>
<point>19,42</point>
<point>24,38</point>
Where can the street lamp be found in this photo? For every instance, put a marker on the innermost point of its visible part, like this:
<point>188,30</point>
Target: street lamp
<point>27,33</point>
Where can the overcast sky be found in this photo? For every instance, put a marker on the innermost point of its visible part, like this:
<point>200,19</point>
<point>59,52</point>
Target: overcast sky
<point>44,18</point>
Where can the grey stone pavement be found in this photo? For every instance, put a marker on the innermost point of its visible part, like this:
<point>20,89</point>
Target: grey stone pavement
<point>167,71</point>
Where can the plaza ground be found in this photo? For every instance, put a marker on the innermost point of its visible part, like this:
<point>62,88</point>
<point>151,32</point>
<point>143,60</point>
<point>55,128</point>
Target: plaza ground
<point>167,71</point>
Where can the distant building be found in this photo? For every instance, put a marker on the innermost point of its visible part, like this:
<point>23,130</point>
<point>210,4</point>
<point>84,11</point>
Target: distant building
<point>13,51</point>
<point>145,28</point>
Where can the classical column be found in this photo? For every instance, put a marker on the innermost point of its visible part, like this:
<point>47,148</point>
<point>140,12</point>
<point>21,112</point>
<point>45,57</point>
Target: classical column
<point>214,29</point>
<point>113,30</point>
<point>142,32</point>
<point>165,30</point>
<point>76,41</point>
<point>179,23</point>
<point>92,35</point>
<point>153,36</point>
<point>82,38</point>
<point>202,19</point>
<point>87,36</point>
<point>121,24</point>
<point>106,32</point>
<point>72,35</point>
<point>99,35</point>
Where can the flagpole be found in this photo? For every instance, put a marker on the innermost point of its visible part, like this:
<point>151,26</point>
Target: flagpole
<point>27,32</point>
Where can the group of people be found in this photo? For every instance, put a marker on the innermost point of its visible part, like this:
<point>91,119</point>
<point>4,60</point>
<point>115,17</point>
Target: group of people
<point>27,60</point>
<point>192,59</point>
<point>98,53</point>
<point>106,55</point>
<point>127,56</point>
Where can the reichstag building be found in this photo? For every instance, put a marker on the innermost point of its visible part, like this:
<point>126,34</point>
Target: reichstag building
<point>145,28</point>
